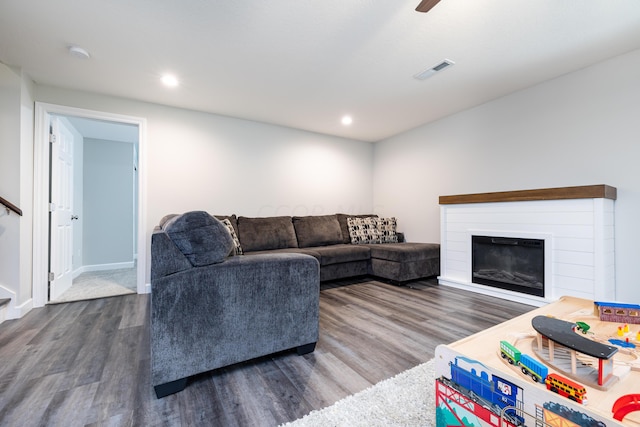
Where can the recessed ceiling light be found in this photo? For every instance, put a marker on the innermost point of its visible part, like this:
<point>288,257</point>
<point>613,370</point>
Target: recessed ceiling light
<point>78,52</point>
<point>347,120</point>
<point>169,80</point>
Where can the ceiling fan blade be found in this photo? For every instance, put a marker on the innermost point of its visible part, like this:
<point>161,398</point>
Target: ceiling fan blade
<point>426,5</point>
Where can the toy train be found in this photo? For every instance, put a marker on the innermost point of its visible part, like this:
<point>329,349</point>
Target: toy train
<point>540,373</point>
<point>528,364</point>
<point>490,391</point>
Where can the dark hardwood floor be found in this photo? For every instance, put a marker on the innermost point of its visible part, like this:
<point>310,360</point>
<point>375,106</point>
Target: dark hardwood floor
<point>87,363</point>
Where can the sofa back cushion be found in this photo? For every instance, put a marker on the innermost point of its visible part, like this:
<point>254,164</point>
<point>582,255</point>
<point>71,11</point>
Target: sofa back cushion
<point>200,237</point>
<point>260,234</point>
<point>319,230</point>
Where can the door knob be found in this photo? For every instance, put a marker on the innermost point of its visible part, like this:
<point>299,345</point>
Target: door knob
<point>74,217</point>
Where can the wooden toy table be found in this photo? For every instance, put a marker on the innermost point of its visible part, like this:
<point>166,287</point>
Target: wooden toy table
<point>537,406</point>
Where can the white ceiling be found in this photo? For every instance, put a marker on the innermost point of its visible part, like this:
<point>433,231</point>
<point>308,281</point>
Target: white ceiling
<point>305,63</point>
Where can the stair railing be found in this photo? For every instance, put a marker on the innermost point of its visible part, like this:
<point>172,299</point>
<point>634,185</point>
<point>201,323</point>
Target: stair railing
<point>10,206</point>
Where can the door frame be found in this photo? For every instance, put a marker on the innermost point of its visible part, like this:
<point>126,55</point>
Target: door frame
<point>41,177</point>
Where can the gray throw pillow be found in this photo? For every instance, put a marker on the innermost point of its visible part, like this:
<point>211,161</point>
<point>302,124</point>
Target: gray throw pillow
<point>200,237</point>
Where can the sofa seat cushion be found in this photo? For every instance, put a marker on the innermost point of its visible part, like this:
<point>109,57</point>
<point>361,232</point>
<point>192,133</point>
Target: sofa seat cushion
<point>261,234</point>
<point>335,254</point>
<point>201,238</point>
<point>317,230</point>
<point>305,251</point>
<point>405,252</point>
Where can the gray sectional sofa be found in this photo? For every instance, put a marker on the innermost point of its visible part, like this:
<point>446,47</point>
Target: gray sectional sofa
<point>211,308</point>
<point>328,238</point>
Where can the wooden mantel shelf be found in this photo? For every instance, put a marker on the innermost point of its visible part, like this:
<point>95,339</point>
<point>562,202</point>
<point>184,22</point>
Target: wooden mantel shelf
<point>561,193</point>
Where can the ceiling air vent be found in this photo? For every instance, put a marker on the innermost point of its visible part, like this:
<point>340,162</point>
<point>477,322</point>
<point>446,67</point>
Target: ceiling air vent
<point>423,75</point>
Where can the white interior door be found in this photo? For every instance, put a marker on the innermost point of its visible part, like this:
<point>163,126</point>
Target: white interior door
<point>61,209</point>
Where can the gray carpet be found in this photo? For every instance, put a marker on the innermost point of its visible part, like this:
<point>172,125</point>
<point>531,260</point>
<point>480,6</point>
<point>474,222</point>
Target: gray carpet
<point>100,284</point>
<point>406,400</point>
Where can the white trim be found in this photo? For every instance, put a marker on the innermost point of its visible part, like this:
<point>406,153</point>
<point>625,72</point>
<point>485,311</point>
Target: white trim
<point>7,309</point>
<point>41,192</point>
<point>22,309</point>
<point>11,310</point>
<point>494,292</point>
<point>103,267</point>
<point>141,254</point>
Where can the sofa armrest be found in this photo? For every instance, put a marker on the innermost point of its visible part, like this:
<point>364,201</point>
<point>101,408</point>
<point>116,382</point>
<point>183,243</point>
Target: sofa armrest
<point>245,307</point>
<point>166,258</point>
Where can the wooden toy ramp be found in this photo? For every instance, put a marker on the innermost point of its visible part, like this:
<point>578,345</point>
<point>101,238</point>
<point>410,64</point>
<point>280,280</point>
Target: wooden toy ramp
<point>624,405</point>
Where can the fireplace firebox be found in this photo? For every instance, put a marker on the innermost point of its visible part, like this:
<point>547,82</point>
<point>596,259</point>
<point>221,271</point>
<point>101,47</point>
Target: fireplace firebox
<point>515,264</point>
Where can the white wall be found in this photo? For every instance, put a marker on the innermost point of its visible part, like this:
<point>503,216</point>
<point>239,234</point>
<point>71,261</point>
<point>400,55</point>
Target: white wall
<point>200,161</point>
<point>24,302</point>
<point>225,166</point>
<point>10,92</point>
<point>16,185</point>
<point>582,128</point>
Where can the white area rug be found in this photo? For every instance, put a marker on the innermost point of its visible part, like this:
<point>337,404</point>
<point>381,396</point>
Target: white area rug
<point>405,400</point>
<point>100,284</point>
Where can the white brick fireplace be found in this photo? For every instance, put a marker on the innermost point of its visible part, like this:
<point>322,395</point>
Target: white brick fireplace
<point>576,224</point>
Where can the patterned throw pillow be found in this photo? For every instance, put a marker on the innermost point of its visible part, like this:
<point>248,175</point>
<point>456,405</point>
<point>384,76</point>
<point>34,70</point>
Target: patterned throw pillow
<point>236,241</point>
<point>387,229</point>
<point>363,230</point>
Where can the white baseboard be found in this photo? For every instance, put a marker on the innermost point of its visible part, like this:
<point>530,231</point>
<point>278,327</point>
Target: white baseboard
<point>23,308</point>
<point>6,310</point>
<point>11,310</point>
<point>103,267</point>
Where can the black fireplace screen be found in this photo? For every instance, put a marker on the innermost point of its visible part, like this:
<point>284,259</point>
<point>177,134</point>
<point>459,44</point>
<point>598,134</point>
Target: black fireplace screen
<point>508,263</point>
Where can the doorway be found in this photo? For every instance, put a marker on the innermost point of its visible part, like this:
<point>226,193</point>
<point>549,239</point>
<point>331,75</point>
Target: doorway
<point>107,221</point>
<point>96,258</point>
